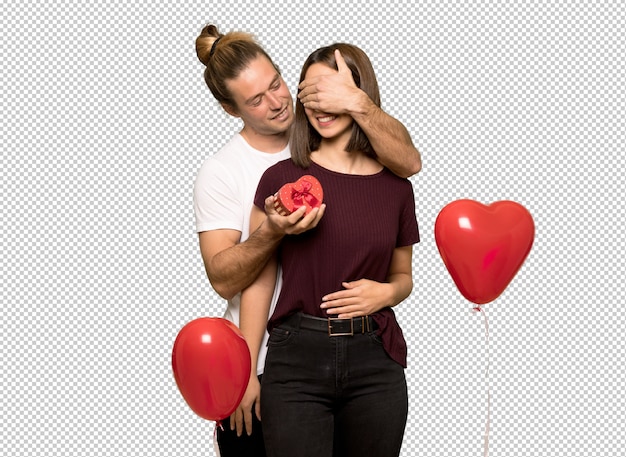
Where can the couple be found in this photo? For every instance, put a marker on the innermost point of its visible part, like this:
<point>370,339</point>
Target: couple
<point>332,369</point>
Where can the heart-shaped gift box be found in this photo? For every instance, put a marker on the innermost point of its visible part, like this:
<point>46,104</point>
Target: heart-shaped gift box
<point>306,191</point>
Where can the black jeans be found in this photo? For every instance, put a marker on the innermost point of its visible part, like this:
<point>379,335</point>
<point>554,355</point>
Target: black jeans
<point>323,396</point>
<point>231,445</point>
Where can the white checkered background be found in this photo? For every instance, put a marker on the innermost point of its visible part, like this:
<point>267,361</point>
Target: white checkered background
<point>106,119</point>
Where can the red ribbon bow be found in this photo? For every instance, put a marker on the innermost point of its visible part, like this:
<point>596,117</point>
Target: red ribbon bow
<point>300,196</point>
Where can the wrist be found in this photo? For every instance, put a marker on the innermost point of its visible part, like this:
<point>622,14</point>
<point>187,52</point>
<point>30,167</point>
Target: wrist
<point>363,106</point>
<point>270,232</point>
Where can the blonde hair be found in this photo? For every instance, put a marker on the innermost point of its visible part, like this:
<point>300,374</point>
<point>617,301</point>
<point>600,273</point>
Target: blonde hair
<point>225,56</point>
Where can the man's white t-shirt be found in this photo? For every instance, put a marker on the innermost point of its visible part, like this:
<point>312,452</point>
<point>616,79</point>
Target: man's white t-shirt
<point>223,197</point>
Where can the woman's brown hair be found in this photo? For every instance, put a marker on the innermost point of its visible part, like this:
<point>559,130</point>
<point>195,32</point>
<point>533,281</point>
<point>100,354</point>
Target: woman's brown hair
<point>304,138</point>
<point>225,56</point>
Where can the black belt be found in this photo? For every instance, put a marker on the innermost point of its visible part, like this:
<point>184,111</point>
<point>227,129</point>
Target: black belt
<point>334,326</point>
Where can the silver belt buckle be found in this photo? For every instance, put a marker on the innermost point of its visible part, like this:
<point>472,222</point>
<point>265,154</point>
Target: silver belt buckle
<point>330,327</point>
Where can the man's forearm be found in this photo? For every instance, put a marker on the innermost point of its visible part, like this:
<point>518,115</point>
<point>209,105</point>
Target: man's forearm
<point>389,138</point>
<point>233,269</point>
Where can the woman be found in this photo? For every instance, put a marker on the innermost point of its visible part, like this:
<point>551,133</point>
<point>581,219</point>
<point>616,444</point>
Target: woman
<point>334,375</point>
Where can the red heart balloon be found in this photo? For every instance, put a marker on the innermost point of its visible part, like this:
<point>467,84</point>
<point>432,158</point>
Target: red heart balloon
<point>211,364</point>
<point>306,191</point>
<point>483,246</point>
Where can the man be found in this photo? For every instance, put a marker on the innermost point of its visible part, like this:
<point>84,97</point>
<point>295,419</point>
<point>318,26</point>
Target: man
<point>248,85</point>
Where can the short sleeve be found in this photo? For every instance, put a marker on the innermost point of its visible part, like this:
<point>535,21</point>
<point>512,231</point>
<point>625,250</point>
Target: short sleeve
<point>408,232</point>
<point>216,199</point>
<point>268,185</point>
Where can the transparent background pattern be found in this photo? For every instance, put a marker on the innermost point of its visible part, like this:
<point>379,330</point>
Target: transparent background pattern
<point>106,120</point>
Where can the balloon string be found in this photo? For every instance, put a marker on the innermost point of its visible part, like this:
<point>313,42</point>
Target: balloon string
<point>216,446</point>
<point>488,421</point>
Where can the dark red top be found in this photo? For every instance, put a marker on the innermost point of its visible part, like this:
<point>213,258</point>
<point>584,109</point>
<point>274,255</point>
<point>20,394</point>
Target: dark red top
<point>366,218</point>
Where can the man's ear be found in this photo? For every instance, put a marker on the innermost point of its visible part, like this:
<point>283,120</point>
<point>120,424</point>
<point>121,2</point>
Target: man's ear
<point>230,110</point>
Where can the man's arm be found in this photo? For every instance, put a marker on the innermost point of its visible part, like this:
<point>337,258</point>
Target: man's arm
<point>232,266</point>
<point>389,138</point>
<point>337,94</point>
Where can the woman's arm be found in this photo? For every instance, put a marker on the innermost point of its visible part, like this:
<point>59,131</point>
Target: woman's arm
<point>364,297</point>
<point>254,314</point>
